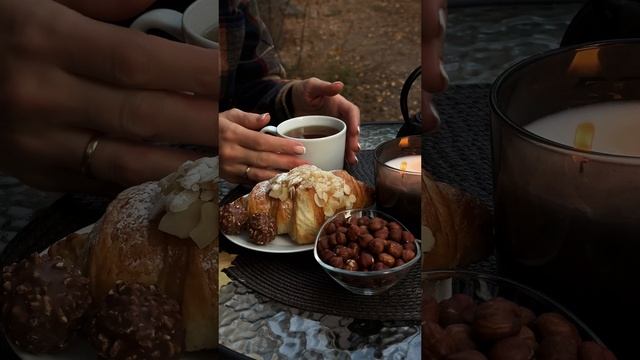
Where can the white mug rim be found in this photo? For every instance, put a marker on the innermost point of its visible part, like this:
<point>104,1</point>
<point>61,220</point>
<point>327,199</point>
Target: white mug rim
<point>341,131</point>
<point>187,27</point>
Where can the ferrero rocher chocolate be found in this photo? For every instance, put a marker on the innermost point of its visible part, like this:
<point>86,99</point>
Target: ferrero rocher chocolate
<point>136,321</point>
<point>43,303</point>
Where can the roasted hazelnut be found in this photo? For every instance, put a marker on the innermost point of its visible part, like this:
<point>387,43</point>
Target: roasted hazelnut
<point>399,262</point>
<point>341,238</point>
<point>379,266</point>
<point>393,225</point>
<point>323,242</point>
<point>336,261</point>
<point>557,348</point>
<point>555,325</point>
<point>376,246</point>
<point>467,355</point>
<point>386,259</point>
<point>364,240</point>
<point>382,233</point>
<point>351,265</point>
<point>365,220</point>
<point>395,234</point>
<point>332,240</point>
<point>408,255</point>
<point>352,233</point>
<point>326,255</point>
<point>590,350</point>
<point>511,348</point>
<point>409,246</point>
<point>376,224</point>
<point>438,344</point>
<point>460,334</point>
<point>452,309</point>
<point>496,319</point>
<point>407,237</point>
<point>365,260</point>
<point>394,249</point>
<point>429,308</point>
<point>526,315</point>
<point>355,248</point>
<point>528,336</point>
<point>343,229</point>
<point>344,252</point>
<point>330,228</point>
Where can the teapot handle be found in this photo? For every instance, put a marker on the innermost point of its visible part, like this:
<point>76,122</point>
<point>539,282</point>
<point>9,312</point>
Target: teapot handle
<point>404,93</point>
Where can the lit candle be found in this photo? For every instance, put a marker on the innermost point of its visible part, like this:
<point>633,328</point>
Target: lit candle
<point>411,163</point>
<point>611,127</point>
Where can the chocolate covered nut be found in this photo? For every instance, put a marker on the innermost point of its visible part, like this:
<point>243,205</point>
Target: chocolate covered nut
<point>395,234</point>
<point>555,325</point>
<point>408,255</point>
<point>341,238</point>
<point>590,350</point>
<point>352,232</point>
<point>262,228</point>
<point>344,252</point>
<point>399,262</point>
<point>233,218</point>
<point>44,303</point>
<point>526,315</point>
<point>327,254</point>
<point>364,240</point>
<point>460,335</point>
<point>330,228</point>
<point>355,248</point>
<point>136,321</point>
<point>407,237</point>
<point>382,233</point>
<point>379,266</point>
<point>332,240</point>
<point>323,242</point>
<point>557,348</point>
<point>410,246</point>
<point>364,221</point>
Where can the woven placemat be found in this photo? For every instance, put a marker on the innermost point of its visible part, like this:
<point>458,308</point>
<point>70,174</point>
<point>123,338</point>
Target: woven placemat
<point>459,153</point>
<point>298,281</point>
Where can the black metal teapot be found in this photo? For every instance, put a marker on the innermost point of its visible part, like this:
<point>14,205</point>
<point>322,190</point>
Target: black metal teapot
<point>411,125</point>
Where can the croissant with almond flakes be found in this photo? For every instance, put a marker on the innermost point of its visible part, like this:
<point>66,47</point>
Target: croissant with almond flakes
<point>301,200</point>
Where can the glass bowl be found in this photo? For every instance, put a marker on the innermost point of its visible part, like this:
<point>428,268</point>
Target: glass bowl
<point>441,285</point>
<point>366,282</point>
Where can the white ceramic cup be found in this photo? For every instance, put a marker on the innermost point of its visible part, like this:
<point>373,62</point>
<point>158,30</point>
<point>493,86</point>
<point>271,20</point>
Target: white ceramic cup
<point>327,153</point>
<point>198,19</point>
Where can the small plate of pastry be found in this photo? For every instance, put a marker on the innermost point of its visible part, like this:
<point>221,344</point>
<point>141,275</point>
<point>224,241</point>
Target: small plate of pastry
<point>141,283</point>
<point>285,213</point>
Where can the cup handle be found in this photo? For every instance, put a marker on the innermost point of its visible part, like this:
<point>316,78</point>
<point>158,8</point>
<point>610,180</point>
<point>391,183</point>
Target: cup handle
<point>271,130</point>
<point>169,21</point>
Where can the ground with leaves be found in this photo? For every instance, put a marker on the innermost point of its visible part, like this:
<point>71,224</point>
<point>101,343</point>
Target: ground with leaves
<point>370,45</point>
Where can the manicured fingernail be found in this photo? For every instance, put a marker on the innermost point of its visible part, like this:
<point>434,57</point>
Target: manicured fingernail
<point>300,150</point>
<point>435,113</point>
<point>445,76</point>
<point>264,116</point>
<point>358,129</point>
<point>359,147</point>
<point>355,157</point>
<point>442,18</point>
<point>338,83</point>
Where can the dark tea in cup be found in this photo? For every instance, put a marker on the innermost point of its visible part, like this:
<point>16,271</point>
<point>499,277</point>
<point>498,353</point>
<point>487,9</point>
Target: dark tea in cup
<point>311,132</point>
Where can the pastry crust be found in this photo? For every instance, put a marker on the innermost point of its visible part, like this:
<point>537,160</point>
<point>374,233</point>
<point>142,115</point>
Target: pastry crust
<point>127,245</point>
<point>457,228</point>
<point>296,209</point>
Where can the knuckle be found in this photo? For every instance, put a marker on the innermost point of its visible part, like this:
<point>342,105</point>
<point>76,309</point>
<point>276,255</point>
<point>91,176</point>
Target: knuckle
<point>127,63</point>
<point>132,115</point>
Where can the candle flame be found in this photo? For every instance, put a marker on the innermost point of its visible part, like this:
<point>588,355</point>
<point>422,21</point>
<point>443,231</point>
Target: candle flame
<point>403,166</point>
<point>584,136</point>
<point>404,142</point>
<point>585,62</point>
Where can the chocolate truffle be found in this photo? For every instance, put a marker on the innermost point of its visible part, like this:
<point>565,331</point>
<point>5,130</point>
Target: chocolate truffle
<point>233,218</point>
<point>136,321</point>
<point>44,300</point>
<point>262,228</point>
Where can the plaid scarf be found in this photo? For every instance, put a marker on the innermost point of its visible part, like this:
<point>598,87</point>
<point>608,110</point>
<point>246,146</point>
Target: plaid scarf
<point>252,77</point>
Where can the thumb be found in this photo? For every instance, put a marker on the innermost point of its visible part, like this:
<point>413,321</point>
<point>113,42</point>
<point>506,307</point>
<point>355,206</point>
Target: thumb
<point>247,120</point>
<point>318,88</point>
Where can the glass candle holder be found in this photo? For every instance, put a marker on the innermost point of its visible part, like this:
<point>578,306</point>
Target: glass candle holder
<point>398,189</point>
<point>567,187</point>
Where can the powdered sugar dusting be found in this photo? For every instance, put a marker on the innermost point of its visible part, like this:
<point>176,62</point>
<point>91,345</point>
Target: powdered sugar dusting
<point>143,204</point>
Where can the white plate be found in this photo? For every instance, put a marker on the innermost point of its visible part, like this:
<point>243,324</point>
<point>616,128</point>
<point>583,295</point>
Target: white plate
<point>81,350</point>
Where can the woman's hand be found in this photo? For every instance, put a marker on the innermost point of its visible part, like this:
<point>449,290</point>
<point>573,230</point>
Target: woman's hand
<point>316,97</point>
<point>434,77</point>
<point>65,78</point>
<point>249,156</point>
